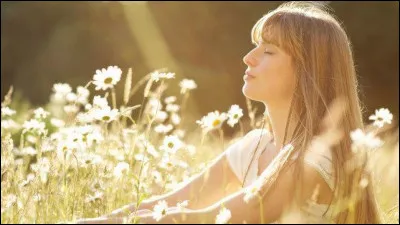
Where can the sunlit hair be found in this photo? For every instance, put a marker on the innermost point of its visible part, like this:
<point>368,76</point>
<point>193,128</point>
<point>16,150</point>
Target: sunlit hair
<point>323,61</point>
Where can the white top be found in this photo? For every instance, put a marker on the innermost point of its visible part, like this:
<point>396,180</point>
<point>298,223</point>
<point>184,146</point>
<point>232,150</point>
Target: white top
<point>240,153</point>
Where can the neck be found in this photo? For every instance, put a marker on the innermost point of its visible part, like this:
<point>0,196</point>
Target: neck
<point>278,115</point>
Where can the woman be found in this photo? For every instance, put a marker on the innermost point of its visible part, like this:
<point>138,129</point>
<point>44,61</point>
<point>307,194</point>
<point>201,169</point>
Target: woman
<point>301,63</point>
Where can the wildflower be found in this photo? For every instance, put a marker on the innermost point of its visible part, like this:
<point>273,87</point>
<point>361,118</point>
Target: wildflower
<point>171,144</point>
<point>9,200</point>
<point>172,108</point>
<point>360,139</point>
<point>98,195</point>
<point>107,78</point>
<point>175,118</point>
<point>381,117</point>
<point>82,95</point>
<point>57,122</point>
<point>167,163</point>
<point>152,151</point>
<point>5,111</point>
<point>34,125</point>
<point>234,114</point>
<point>191,149</point>
<point>40,113</point>
<point>153,105</point>
<point>212,121</point>
<point>156,76</point>
<point>42,167</point>
<point>160,116</point>
<point>28,151</point>
<point>252,191</point>
<point>9,124</point>
<point>183,204</point>
<point>62,89</point>
<point>71,97</point>
<point>121,168</point>
<point>141,157</point>
<point>84,118</point>
<point>163,129</point>
<point>170,100</point>
<point>88,107</point>
<point>105,114</point>
<point>37,197</point>
<point>29,178</point>
<point>71,109</point>
<point>223,216</point>
<point>179,132</point>
<point>157,177</point>
<point>100,102</point>
<point>186,85</point>
<point>160,210</point>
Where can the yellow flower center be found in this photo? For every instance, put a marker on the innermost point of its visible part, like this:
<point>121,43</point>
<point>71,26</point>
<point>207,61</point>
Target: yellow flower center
<point>216,123</point>
<point>106,118</point>
<point>235,116</point>
<point>170,145</point>
<point>108,80</point>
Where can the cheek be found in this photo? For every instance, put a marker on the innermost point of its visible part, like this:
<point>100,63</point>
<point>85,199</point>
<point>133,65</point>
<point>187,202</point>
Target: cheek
<point>274,83</point>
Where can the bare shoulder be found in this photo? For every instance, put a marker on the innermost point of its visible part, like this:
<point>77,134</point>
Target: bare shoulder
<point>315,185</point>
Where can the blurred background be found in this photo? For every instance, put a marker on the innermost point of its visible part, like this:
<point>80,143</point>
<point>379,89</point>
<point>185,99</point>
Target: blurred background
<point>43,43</point>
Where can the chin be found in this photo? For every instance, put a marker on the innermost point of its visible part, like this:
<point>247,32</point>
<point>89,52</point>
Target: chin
<point>249,94</point>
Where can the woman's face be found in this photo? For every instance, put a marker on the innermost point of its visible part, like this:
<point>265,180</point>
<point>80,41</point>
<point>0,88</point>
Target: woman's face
<point>270,76</point>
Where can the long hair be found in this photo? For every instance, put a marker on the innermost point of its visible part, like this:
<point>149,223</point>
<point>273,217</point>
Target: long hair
<point>325,70</point>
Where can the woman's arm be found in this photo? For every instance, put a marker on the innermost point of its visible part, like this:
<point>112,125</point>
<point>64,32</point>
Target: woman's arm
<point>214,183</point>
<point>257,210</point>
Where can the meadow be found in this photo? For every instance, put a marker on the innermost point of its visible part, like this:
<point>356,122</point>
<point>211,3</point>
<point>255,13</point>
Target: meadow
<point>83,155</point>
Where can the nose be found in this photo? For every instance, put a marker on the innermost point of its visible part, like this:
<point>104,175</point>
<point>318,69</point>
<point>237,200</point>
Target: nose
<point>249,60</point>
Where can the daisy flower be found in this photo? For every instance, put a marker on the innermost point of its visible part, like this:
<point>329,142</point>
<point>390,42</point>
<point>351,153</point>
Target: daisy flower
<point>360,139</point>
<point>62,89</point>
<point>156,76</point>
<point>40,113</point>
<point>5,111</point>
<point>172,108</point>
<point>381,117</point>
<point>163,129</point>
<point>34,125</point>
<point>160,210</point>
<point>107,78</point>
<point>223,216</point>
<point>175,118</point>
<point>57,122</point>
<point>171,144</point>
<point>120,169</point>
<point>186,85</point>
<point>213,120</point>
<point>71,97</point>
<point>157,177</point>
<point>100,102</point>
<point>234,114</point>
<point>82,95</point>
<point>252,191</point>
<point>182,205</point>
<point>106,114</point>
<point>170,100</point>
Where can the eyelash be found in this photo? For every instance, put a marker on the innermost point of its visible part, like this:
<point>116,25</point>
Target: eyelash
<point>268,53</point>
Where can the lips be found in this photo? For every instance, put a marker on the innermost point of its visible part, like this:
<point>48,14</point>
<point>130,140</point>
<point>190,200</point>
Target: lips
<point>248,76</point>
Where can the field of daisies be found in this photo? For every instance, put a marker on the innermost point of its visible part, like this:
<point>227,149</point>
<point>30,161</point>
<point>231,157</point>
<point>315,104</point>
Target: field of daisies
<point>83,156</point>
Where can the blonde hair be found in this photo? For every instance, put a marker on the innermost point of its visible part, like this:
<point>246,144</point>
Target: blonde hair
<point>324,66</point>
